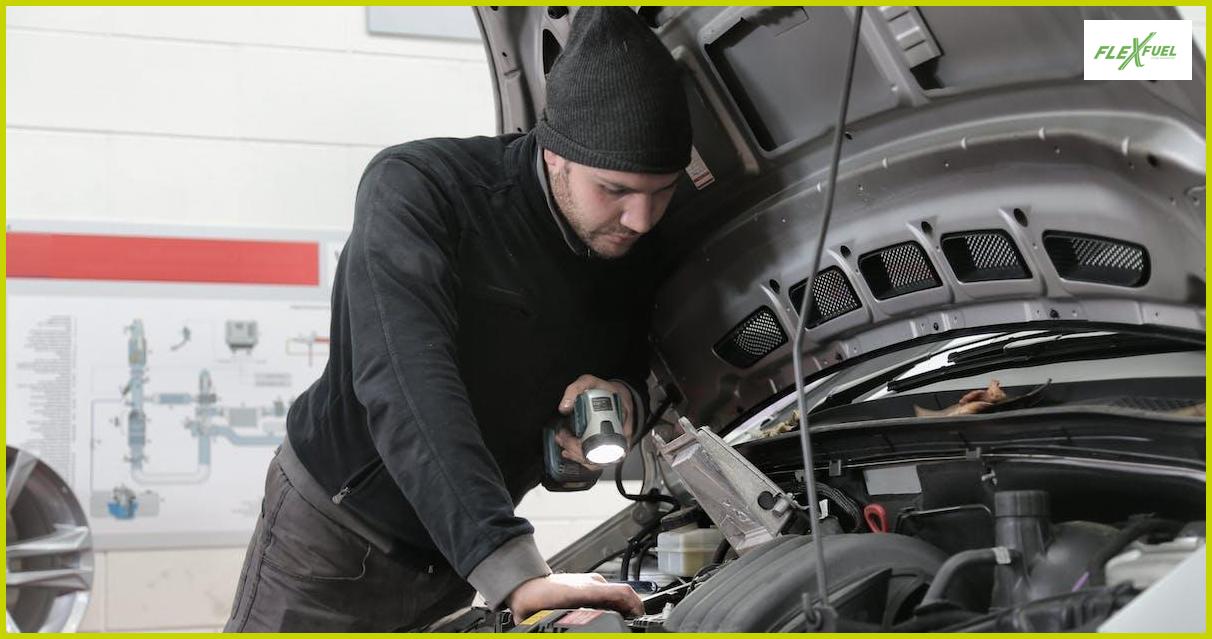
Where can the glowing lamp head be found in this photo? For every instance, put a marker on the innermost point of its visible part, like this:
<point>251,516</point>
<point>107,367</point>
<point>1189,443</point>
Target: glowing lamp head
<point>598,421</point>
<point>604,454</point>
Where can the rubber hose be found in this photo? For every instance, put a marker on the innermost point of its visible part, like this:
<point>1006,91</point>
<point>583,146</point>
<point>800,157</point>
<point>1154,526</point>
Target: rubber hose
<point>634,543</point>
<point>652,497</point>
<point>844,501</point>
<point>672,396</point>
<point>937,594</point>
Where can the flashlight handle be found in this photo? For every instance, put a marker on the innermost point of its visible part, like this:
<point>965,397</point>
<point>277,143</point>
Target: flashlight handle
<point>563,475</point>
<point>580,414</point>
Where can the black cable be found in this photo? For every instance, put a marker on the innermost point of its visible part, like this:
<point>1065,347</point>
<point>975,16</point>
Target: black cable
<point>613,555</point>
<point>652,496</point>
<point>672,396</point>
<point>843,501</point>
<point>702,572</point>
<point>625,562</point>
<point>644,552</point>
<point>936,595</point>
<point>797,348</point>
<point>634,543</point>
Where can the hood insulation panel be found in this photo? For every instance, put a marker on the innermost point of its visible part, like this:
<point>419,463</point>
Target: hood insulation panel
<point>1088,258</point>
<point>832,296</point>
<point>983,256</point>
<point>898,270</point>
<point>754,338</point>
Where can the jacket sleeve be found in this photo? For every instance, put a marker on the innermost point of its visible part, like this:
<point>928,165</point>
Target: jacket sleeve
<point>402,305</point>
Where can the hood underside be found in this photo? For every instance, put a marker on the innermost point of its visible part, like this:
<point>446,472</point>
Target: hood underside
<point>982,183</point>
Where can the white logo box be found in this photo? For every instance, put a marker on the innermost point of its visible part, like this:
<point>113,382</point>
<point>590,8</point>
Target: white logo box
<point>1164,55</point>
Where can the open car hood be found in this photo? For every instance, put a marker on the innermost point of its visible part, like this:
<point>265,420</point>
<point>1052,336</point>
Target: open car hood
<point>982,183</point>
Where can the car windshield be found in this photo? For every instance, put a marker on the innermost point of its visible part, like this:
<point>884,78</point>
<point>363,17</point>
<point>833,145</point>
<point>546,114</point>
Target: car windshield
<point>1009,368</point>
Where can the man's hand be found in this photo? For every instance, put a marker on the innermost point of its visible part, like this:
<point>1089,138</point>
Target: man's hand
<point>572,591</point>
<point>569,442</point>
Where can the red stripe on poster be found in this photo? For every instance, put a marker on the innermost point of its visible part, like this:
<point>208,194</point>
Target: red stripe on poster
<point>161,259</point>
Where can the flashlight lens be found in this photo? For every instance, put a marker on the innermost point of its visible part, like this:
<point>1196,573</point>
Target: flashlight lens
<point>605,454</point>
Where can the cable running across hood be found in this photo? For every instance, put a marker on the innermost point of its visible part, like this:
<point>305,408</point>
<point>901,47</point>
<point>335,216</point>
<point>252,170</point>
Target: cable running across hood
<point>814,615</point>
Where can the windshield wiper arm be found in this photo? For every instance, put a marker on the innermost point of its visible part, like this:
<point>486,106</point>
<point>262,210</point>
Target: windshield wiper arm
<point>998,346</point>
<point>1045,350</point>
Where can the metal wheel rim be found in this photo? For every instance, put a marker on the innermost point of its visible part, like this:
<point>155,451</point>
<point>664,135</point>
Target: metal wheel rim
<point>48,555</point>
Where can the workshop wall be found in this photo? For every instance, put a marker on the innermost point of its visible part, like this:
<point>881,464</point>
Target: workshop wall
<point>1199,24</point>
<point>258,117</point>
<point>225,116</point>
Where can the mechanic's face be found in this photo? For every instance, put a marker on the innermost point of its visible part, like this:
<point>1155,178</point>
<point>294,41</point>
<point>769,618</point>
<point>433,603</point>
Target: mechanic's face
<point>608,210</point>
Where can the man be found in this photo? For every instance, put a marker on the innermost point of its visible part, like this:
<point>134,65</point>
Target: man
<point>486,282</point>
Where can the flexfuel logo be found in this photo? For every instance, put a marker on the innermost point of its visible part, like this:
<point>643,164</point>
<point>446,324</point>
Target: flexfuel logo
<point>1137,53</point>
<point>1138,50</point>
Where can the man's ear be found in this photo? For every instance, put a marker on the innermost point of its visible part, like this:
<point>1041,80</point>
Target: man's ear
<point>555,163</point>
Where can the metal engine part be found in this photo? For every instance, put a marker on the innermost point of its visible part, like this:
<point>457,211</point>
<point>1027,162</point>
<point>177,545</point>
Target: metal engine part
<point>748,508</point>
<point>48,555</point>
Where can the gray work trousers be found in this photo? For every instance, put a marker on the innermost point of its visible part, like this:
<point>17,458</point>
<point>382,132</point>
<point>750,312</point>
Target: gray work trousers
<point>305,572</point>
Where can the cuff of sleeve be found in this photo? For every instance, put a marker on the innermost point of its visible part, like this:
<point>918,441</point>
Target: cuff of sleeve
<point>638,402</point>
<point>516,561</point>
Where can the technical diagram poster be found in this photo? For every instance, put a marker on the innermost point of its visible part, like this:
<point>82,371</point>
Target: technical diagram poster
<point>162,402</point>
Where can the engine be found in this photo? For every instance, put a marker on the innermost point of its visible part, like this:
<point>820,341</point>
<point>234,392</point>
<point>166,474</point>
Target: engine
<point>913,536</point>
<point>1011,569</point>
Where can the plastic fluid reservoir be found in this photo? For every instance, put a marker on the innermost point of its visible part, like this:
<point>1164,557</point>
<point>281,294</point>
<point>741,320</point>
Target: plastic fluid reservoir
<point>1143,564</point>
<point>686,550</point>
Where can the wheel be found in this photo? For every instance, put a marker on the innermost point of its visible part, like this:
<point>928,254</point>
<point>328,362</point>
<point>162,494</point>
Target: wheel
<point>49,549</point>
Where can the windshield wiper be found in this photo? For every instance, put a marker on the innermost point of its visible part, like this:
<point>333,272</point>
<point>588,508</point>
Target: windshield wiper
<point>855,387</point>
<point>1043,349</point>
<point>998,346</point>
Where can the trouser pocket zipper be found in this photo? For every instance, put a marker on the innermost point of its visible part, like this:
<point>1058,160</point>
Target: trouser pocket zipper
<point>361,477</point>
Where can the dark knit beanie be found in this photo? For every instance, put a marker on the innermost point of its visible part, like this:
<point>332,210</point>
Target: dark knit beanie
<point>614,97</point>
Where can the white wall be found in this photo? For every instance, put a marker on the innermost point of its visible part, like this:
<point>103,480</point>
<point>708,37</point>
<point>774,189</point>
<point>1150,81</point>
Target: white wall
<point>1199,18</point>
<point>227,116</point>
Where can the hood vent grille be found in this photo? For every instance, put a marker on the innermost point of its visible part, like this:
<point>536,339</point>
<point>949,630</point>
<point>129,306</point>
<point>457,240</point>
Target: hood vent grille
<point>1088,258</point>
<point>751,340</point>
<point>981,256</point>
<point>832,296</point>
<point>898,270</point>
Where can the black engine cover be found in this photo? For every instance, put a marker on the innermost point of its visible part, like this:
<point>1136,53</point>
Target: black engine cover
<point>762,591</point>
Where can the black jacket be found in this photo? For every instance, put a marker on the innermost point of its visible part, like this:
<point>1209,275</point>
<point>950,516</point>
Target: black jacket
<point>459,315</point>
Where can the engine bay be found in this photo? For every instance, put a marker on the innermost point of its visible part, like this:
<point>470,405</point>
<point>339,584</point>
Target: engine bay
<point>977,549</point>
<point>1027,535</point>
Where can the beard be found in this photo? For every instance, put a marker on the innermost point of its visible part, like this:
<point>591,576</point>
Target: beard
<point>597,239</point>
